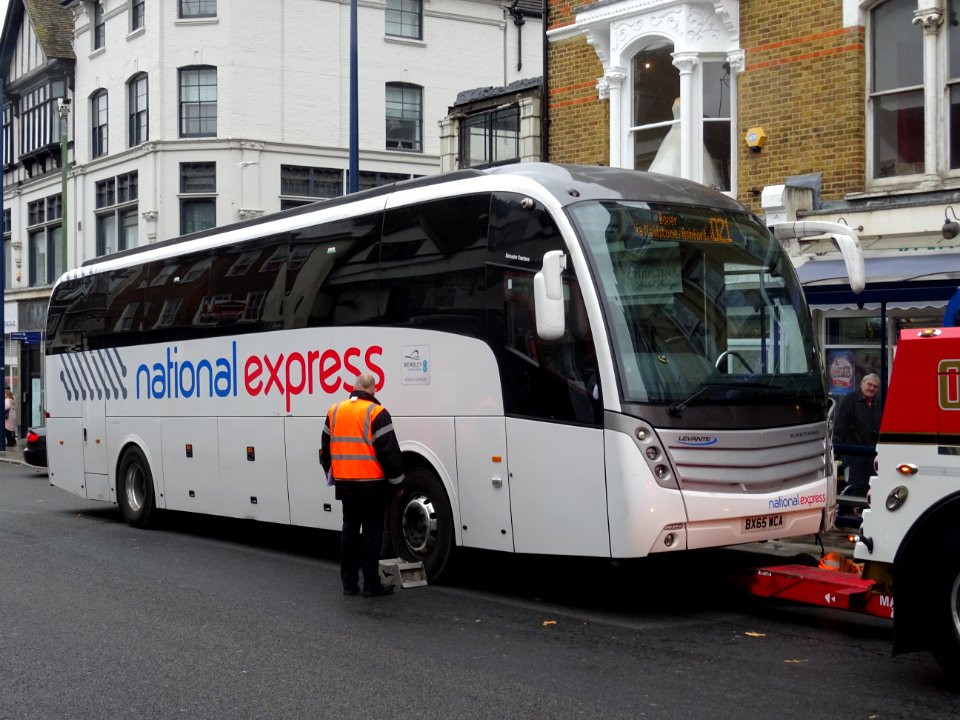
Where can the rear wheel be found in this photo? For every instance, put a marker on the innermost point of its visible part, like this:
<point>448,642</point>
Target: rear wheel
<point>135,488</point>
<point>421,522</point>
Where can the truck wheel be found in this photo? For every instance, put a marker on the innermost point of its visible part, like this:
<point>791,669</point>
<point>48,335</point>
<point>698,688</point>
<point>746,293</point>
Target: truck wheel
<point>135,488</point>
<point>421,522</point>
<point>946,617</point>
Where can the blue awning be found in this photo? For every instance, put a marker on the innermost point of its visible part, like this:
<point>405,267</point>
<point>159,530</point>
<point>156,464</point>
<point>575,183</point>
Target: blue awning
<point>885,269</point>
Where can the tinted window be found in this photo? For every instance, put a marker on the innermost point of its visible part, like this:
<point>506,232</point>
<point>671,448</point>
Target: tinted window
<point>176,290</point>
<point>432,265</point>
<point>247,287</point>
<point>332,275</point>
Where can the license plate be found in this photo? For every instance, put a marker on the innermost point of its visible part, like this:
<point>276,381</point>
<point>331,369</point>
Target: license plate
<point>762,522</point>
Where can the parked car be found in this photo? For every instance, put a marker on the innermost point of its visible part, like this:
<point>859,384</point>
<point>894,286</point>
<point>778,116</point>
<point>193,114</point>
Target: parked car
<point>35,451</point>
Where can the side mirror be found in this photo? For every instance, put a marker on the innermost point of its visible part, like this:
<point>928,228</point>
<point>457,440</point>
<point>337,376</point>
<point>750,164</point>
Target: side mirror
<point>548,296</point>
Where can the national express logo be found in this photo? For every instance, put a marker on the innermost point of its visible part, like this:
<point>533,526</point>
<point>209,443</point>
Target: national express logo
<point>174,376</point>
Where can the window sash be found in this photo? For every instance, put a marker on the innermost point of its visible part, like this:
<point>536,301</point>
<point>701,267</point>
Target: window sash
<point>403,18</point>
<point>137,14</point>
<point>198,177</point>
<point>99,127</point>
<point>197,214</point>
<point>404,105</point>
<point>198,102</point>
<point>138,99</point>
<point>198,8</point>
<point>99,27</point>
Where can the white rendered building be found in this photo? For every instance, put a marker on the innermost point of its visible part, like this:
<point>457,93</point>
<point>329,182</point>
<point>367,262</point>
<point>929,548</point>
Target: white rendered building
<point>185,114</point>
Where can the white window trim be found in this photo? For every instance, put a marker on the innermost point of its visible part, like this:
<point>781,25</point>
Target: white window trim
<point>617,32</point>
<point>930,20</point>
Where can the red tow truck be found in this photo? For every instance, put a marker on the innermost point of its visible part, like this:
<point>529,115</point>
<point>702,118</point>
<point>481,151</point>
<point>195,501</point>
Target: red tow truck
<point>908,546</point>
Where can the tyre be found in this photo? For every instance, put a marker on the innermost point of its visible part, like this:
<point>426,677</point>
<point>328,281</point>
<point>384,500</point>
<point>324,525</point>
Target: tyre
<point>421,522</point>
<point>946,613</point>
<point>135,488</point>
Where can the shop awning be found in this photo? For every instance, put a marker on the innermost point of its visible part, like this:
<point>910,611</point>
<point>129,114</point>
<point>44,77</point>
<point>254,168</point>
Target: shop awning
<point>910,282</point>
<point>944,266</point>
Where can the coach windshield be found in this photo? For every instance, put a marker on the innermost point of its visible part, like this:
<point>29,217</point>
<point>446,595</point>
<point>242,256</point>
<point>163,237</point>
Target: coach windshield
<point>702,306</point>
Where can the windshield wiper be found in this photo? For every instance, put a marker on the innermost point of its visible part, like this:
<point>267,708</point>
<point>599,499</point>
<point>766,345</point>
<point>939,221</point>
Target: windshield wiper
<point>678,407</point>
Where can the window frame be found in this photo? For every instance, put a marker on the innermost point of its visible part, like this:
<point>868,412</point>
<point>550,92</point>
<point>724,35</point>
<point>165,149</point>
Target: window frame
<point>194,9</point>
<point>99,27</point>
<point>940,120</point>
<point>138,14</point>
<point>44,238</point>
<point>202,106</point>
<point>192,197</point>
<point>399,17</point>
<point>138,110</point>
<point>487,119</point>
<point>99,124</point>
<point>407,92</point>
<point>116,198</point>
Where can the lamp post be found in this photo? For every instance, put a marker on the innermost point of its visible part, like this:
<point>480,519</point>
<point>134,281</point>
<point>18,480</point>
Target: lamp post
<point>64,110</point>
<point>354,172</point>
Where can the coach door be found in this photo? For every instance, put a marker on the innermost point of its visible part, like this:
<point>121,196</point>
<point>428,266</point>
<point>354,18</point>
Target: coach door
<point>96,379</point>
<point>94,431</point>
<point>554,436</point>
<point>551,396</point>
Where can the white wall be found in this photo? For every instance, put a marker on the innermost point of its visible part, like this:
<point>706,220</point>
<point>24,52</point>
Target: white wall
<point>283,95</point>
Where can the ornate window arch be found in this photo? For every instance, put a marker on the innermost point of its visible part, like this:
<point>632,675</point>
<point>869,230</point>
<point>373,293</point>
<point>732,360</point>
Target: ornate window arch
<point>701,41</point>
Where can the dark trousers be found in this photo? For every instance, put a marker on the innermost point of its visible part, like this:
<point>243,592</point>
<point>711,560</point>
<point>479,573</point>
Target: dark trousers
<point>11,437</point>
<point>857,472</point>
<point>361,540</point>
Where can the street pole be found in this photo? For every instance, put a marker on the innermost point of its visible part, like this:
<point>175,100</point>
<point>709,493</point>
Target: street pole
<point>64,110</point>
<point>354,172</point>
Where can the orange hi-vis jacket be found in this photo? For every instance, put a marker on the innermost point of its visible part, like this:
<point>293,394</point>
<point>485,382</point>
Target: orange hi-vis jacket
<point>352,456</point>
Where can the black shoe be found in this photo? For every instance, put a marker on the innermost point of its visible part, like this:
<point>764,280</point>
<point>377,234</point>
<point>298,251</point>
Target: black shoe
<point>378,591</point>
<point>351,590</point>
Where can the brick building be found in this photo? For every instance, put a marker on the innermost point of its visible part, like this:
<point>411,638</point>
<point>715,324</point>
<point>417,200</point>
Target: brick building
<point>857,105</point>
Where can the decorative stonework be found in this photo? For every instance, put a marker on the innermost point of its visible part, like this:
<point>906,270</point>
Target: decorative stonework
<point>613,79</point>
<point>150,215</point>
<point>930,18</point>
<point>248,213</point>
<point>685,62</point>
<point>737,60</point>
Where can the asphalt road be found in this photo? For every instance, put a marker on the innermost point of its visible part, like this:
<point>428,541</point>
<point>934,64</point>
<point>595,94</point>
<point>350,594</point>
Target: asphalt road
<point>207,618</point>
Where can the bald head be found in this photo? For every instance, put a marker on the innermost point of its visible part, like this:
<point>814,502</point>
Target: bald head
<point>365,382</point>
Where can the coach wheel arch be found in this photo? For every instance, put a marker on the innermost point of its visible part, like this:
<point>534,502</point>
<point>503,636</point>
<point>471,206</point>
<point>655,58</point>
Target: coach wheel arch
<point>135,490</point>
<point>420,521</point>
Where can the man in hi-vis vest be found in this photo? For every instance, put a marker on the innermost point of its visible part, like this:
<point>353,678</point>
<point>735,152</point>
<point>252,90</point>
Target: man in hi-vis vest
<point>361,453</point>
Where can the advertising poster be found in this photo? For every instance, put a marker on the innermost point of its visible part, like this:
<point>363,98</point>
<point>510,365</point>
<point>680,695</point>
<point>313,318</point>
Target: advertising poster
<point>841,366</point>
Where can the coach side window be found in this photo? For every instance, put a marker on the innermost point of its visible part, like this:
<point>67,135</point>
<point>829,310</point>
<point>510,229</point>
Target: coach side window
<point>176,289</point>
<point>67,306</point>
<point>247,286</point>
<point>332,280</point>
<point>555,379</point>
<point>432,265</point>
<point>123,310</point>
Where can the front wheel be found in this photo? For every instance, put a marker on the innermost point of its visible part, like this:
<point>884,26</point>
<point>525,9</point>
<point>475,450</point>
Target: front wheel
<point>135,488</point>
<point>946,615</point>
<point>421,522</point>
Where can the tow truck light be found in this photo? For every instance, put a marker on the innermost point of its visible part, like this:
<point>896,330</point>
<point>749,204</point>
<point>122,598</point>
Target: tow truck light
<point>907,469</point>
